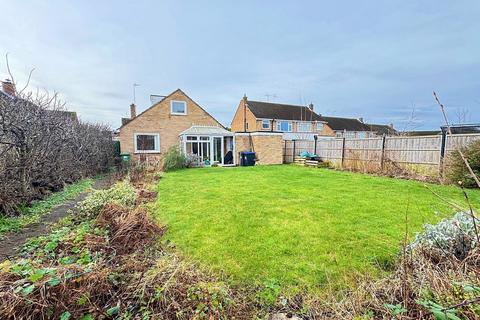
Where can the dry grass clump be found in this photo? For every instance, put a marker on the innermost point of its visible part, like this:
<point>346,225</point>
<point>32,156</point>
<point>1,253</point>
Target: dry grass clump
<point>424,285</point>
<point>129,230</point>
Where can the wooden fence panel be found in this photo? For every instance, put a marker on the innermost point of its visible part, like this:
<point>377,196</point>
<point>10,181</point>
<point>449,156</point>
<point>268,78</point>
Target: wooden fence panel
<point>330,149</point>
<point>413,150</point>
<point>459,140</point>
<point>412,153</point>
<point>363,149</point>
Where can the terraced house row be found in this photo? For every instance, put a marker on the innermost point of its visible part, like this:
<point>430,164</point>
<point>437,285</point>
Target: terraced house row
<point>260,127</point>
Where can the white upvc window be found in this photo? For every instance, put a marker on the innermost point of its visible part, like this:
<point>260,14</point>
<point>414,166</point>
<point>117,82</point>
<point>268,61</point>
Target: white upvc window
<point>304,126</point>
<point>265,124</point>
<point>362,135</point>
<point>146,142</point>
<point>178,107</point>
<point>285,126</point>
<point>350,134</point>
<point>319,126</point>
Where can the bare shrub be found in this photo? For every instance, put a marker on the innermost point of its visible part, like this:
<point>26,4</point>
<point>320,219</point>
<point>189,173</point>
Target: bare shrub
<point>43,147</point>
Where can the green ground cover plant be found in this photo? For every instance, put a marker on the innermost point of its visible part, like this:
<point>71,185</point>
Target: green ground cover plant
<point>293,226</point>
<point>33,213</point>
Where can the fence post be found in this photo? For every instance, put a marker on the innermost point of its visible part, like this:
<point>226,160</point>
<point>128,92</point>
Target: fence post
<point>293,155</point>
<point>443,146</point>
<point>382,156</point>
<point>343,151</point>
<point>315,147</point>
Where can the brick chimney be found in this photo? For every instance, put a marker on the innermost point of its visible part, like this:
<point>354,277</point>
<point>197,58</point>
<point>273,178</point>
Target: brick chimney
<point>310,106</point>
<point>9,87</point>
<point>133,111</point>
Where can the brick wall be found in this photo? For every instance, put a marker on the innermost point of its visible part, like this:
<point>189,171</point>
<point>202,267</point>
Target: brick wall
<point>267,146</point>
<point>158,119</point>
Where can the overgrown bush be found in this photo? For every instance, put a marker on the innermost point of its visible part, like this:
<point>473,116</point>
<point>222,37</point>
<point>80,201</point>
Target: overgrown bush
<point>43,147</point>
<point>122,193</point>
<point>174,159</point>
<point>453,236</point>
<point>456,168</point>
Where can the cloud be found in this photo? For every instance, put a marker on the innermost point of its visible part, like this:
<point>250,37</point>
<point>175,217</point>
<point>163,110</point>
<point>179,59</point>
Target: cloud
<point>357,59</point>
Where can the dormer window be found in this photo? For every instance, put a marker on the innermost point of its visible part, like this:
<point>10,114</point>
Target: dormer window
<point>178,107</point>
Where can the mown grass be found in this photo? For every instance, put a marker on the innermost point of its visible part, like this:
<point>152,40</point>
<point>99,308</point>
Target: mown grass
<point>298,227</point>
<point>32,214</point>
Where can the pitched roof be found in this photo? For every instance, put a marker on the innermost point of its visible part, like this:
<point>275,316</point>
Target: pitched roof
<point>463,128</point>
<point>206,130</point>
<point>347,124</point>
<point>382,129</point>
<point>124,122</point>
<point>422,133</point>
<point>267,110</point>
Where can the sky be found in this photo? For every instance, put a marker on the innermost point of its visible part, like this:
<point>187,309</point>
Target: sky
<point>379,60</point>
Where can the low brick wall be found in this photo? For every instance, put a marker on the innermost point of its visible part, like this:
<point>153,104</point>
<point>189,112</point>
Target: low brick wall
<point>268,146</point>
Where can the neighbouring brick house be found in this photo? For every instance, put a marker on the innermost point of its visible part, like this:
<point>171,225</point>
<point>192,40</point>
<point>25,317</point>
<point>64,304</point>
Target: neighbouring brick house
<point>356,128</point>
<point>295,122</point>
<point>300,122</point>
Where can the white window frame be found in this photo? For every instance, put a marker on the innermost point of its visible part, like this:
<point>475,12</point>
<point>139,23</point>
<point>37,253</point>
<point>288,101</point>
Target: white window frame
<point>279,126</point>
<point>265,122</point>
<point>320,126</point>
<point>157,142</point>
<point>178,113</point>
<point>350,134</point>
<point>300,123</point>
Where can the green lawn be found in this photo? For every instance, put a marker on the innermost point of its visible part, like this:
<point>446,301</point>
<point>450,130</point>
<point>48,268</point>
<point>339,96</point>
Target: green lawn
<point>32,214</point>
<point>301,227</point>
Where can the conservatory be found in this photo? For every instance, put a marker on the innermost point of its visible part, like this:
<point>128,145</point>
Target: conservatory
<point>207,145</point>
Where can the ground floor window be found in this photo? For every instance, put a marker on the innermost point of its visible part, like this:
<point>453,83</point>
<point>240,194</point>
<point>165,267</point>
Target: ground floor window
<point>147,142</point>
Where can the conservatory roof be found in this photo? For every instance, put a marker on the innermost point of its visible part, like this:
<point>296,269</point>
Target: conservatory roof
<point>206,131</point>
